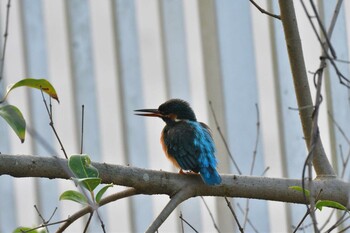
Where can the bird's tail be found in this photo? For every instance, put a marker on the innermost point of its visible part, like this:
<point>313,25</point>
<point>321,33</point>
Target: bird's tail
<point>210,175</point>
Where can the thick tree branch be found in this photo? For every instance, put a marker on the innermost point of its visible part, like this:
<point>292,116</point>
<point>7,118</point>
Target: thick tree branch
<point>160,182</point>
<point>301,86</point>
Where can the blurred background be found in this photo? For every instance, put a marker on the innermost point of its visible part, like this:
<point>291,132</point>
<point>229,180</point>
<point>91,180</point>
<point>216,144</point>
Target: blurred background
<point>117,56</point>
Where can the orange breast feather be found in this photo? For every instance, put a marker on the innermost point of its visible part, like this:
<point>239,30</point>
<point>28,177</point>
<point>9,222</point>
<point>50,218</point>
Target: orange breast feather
<point>170,157</point>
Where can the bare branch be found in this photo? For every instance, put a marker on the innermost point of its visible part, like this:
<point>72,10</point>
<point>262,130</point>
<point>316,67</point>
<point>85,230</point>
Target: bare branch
<point>248,220</point>
<point>188,224</point>
<point>211,215</point>
<point>264,11</point>
<point>82,129</point>
<point>234,215</point>
<point>126,193</point>
<point>178,198</point>
<point>256,138</point>
<point>88,222</point>
<point>2,63</point>
<point>223,139</point>
<point>49,112</point>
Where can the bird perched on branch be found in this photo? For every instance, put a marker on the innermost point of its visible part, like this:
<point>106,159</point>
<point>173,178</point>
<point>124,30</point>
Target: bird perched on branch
<point>185,141</point>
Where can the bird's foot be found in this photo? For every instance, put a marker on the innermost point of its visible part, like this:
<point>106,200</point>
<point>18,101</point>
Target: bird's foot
<point>186,172</point>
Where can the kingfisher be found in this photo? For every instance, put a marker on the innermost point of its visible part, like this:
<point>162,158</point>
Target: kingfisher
<point>187,143</point>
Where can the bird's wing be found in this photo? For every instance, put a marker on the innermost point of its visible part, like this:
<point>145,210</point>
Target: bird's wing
<point>190,144</point>
<point>180,145</point>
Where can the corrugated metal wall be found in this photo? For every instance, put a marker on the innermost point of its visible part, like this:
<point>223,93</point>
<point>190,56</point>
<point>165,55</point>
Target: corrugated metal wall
<point>117,56</point>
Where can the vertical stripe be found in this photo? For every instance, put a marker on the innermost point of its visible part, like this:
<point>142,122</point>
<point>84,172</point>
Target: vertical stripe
<point>131,98</point>
<point>241,95</point>
<point>84,81</point>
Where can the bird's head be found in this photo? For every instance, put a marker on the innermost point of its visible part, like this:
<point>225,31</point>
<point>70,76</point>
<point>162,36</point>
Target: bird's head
<point>171,111</point>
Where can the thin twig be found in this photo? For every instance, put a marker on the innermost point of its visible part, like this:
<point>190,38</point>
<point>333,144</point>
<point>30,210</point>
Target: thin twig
<point>342,61</point>
<point>101,221</point>
<point>341,131</point>
<point>246,213</point>
<point>256,138</point>
<point>325,46</point>
<point>265,171</point>
<point>2,64</point>
<point>223,139</point>
<point>315,137</point>
<point>344,230</point>
<point>188,224</point>
<point>248,220</point>
<point>182,222</point>
<point>234,215</point>
<point>325,34</point>
<point>308,211</point>
<point>308,164</point>
<point>253,160</point>
<point>211,215</point>
<point>52,124</point>
<point>327,220</point>
<point>88,209</point>
<point>82,129</point>
<point>345,164</point>
<point>340,221</point>
<point>264,11</point>
<point>88,222</point>
<point>298,227</point>
<point>44,225</point>
<point>42,218</point>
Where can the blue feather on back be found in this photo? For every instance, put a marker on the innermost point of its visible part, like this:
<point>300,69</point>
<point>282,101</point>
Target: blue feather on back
<point>206,160</point>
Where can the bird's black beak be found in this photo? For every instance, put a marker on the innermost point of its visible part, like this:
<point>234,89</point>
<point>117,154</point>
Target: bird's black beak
<point>148,112</point>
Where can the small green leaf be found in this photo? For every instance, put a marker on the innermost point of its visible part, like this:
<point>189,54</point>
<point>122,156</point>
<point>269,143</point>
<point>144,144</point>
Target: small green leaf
<point>90,183</point>
<point>29,230</point>
<point>21,229</point>
<point>41,84</point>
<point>15,119</point>
<point>331,204</point>
<point>300,189</point>
<point>72,195</point>
<point>81,166</point>
<point>102,191</point>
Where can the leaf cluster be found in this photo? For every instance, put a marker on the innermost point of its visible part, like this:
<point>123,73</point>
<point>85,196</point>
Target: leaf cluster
<point>12,115</point>
<point>86,176</point>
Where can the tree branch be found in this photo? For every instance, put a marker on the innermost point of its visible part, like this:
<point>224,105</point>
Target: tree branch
<point>176,200</point>
<point>89,209</point>
<point>301,86</point>
<point>264,11</point>
<point>160,182</point>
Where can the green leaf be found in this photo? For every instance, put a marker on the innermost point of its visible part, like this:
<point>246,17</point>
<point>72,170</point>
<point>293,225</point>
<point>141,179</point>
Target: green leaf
<point>90,183</point>
<point>15,119</point>
<point>72,195</point>
<point>21,229</point>
<point>41,84</point>
<point>25,229</point>
<point>102,191</point>
<point>331,204</point>
<point>300,189</point>
<point>81,166</point>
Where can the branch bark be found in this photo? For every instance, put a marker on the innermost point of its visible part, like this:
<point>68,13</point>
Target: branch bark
<point>159,182</point>
<point>301,86</point>
<point>89,209</point>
